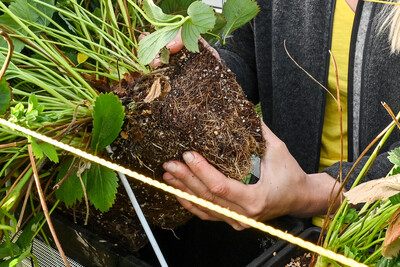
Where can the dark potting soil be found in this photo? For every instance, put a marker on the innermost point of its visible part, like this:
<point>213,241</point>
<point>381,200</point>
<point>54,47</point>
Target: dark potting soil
<point>194,103</point>
<point>301,261</point>
<point>292,255</point>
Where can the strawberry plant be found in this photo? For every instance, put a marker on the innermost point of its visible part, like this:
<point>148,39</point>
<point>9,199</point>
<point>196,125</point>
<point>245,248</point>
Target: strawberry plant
<point>62,62</point>
<point>369,235</point>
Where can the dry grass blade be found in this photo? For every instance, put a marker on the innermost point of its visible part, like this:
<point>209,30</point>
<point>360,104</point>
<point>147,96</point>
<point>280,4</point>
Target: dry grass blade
<point>44,207</point>
<point>9,54</point>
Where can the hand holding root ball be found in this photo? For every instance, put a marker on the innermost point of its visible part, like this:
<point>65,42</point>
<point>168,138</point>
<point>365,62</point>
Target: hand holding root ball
<point>283,189</point>
<point>176,45</point>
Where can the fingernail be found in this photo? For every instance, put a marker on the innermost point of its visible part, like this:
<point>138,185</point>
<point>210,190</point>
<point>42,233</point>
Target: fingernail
<point>169,166</point>
<point>188,157</point>
<point>172,43</point>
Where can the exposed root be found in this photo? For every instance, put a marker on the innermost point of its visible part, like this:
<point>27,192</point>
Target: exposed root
<point>194,104</point>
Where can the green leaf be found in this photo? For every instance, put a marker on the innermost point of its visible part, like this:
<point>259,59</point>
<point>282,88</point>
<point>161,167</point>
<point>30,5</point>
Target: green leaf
<point>71,189</point>
<point>6,252</point>
<point>155,13</point>
<point>50,151</point>
<point>394,156</point>
<point>385,262</point>
<point>165,55</point>
<point>176,6</point>
<point>394,171</point>
<point>22,9</point>
<point>201,20</point>
<point>5,96</point>
<point>202,16</point>
<point>21,257</point>
<point>395,199</point>
<point>27,235</point>
<point>101,187</point>
<point>237,14</point>
<point>220,23</point>
<point>350,216</point>
<point>17,113</point>
<point>247,179</point>
<point>81,58</point>
<point>48,11</point>
<point>18,45</point>
<point>32,102</point>
<point>37,151</point>
<point>41,149</point>
<point>11,67</point>
<point>108,119</point>
<point>150,45</point>
<point>351,252</point>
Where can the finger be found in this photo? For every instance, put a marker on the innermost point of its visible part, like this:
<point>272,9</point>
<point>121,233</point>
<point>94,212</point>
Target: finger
<point>206,214</point>
<point>176,44</point>
<point>268,135</point>
<point>156,62</point>
<point>189,182</point>
<point>176,183</point>
<point>193,208</point>
<point>210,48</point>
<point>202,212</point>
<point>180,176</point>
<point>183,179</point>
<point>217,183</point>
<point>142,35</point>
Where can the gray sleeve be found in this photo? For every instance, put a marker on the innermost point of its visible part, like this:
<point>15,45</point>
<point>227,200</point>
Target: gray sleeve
<point>379,168</point>
<point>239,56</point>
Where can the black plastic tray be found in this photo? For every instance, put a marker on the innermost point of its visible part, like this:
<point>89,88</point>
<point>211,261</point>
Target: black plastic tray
<point>205,243</point>
<point>88,249</point>
<point>292,251</point>
<point>197,243</point>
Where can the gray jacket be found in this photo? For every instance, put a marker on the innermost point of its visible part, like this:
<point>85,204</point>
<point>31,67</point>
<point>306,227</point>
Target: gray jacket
<point>292,104</point>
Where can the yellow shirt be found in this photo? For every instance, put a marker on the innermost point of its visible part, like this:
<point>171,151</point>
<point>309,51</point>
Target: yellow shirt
<point>341,34</point>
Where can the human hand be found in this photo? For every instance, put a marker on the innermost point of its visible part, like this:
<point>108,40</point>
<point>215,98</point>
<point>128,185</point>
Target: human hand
<point>283,189</point>
<point>176,45</point>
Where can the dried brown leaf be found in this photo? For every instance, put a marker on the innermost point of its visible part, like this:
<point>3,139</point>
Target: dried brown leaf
<point>373,190</point>
<point>166,88</point>
<point>155,91</point>
<point>391,246</point>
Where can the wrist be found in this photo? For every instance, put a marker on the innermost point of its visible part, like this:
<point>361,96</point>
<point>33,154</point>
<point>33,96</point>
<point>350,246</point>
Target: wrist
<point>315,194</point>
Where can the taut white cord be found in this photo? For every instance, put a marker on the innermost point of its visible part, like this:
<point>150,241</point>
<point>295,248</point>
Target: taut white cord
<point>141,217</point>
<point>204,203</point>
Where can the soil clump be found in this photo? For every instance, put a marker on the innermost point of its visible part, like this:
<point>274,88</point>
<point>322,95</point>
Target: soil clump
<point>194,103</point>
<point>301,261</point>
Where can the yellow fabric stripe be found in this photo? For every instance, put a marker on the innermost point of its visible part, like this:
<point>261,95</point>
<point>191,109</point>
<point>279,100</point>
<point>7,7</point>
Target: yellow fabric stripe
<point>341,35</point>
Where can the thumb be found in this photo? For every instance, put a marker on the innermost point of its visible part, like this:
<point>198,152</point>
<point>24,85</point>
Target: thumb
<point>176,44</point>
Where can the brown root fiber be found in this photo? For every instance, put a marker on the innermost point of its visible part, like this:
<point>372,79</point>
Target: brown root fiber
<point>195,104</point>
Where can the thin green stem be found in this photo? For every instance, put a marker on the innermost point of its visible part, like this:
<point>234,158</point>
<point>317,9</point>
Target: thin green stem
<point>366,167</point>
<point>168,22</point>
<point>48,49</point>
